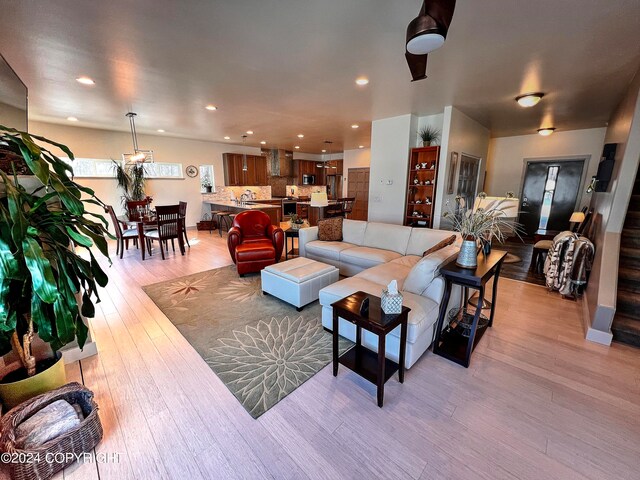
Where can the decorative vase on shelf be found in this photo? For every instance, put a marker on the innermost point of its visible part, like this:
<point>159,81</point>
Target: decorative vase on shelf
<point>468,255</point>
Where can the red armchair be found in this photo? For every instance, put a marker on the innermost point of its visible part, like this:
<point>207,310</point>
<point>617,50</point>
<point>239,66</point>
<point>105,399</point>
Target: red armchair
<point>253,242</point>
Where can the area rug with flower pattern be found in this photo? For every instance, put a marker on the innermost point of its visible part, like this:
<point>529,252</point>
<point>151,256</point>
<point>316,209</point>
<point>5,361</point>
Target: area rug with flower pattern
<point>259,346</point>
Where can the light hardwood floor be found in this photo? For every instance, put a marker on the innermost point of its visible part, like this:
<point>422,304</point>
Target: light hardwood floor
<point>538,402</point>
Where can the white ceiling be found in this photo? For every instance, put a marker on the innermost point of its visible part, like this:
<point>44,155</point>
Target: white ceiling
<point>283,67</point>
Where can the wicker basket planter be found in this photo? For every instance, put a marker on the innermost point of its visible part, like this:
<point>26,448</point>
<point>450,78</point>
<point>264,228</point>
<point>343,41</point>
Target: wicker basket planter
<point>47,459</point>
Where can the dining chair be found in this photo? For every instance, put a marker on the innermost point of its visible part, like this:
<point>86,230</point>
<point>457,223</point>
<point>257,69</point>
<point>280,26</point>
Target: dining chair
<point>183,215</point>
<point>333,210</point>
<point>347,204</point>
<point>168,227</point>
<point>122,236</point>
<point>132,207</point>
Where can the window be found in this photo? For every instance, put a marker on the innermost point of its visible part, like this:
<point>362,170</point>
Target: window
<point>206,177</point>
<point>101,168</point>
<point>547,199</point>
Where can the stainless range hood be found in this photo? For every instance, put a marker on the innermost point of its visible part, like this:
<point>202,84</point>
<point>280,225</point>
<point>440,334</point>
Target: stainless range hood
<point>279,162</point>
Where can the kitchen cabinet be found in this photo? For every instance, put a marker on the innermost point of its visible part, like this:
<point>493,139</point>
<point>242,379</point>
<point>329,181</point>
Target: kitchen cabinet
<point>307,167</point>
<point>234,175</point>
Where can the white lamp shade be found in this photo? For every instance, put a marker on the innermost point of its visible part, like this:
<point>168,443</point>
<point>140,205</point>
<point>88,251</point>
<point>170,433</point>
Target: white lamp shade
<point>577,217</point>
<point>319,200</point>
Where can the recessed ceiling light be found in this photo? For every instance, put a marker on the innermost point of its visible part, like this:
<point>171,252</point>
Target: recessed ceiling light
<point>355,126</point>
<point>529,99</point>
<point>300,135</point>
<point>360,146</point>
<point>72,119</point>
<point>297,147</point>
<point>545,132</point>
<point>362,81</point>
<point>211,107</point>
<point>227,138</point>
<point>160,130</point>
<point>249,132</point>
<point>263,142</point>
<point>324,151</point>
<point>85,80</point>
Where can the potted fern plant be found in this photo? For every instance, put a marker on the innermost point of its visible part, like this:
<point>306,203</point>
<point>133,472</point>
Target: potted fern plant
<point>49,274</point>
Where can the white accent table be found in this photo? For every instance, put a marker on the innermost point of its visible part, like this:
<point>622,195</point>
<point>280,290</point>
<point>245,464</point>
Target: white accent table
<point>298,281</point>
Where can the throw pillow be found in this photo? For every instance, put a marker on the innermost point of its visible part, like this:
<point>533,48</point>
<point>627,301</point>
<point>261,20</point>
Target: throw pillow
<point>330,229</point>
<point>440,245</point>
<point>423,272</point>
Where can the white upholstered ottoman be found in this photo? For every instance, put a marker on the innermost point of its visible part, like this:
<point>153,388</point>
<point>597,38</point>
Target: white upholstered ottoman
<point>298,281</point>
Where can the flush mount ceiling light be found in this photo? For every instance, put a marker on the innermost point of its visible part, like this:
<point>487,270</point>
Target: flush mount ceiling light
<point>427,33</point>
<point>72,119</point>
<point>160,130</point>
<point>211,107</point>
<point>545,132</point>
<point>85,80</point>
<point>529,99</point>
<point>362,81</point>
<point>138,155</point>
<point>227,137</point>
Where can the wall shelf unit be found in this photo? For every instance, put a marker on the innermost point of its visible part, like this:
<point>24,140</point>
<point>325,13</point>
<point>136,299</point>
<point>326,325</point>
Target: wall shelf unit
<point>421,186</point>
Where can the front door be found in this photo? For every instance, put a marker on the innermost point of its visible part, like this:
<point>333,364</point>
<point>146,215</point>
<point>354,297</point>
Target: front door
<point>549,194</point>
<point>358,187</point>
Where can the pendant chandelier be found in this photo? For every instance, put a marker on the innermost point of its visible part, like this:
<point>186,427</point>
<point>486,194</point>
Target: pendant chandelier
<point>138,155</point>
<point>244,153</point>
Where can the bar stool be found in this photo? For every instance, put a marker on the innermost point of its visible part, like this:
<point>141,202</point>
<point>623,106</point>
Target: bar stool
<point>224,217</point>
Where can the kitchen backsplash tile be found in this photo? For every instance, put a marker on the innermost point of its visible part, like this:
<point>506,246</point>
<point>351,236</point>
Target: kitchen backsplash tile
<point>224,193</point>
<point>305,190</point>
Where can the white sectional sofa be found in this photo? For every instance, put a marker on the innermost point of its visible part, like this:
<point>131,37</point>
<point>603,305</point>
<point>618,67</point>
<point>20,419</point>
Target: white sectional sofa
<point>372,254</point>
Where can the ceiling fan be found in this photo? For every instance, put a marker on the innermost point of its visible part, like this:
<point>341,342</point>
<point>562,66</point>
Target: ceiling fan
<point>427,33</point>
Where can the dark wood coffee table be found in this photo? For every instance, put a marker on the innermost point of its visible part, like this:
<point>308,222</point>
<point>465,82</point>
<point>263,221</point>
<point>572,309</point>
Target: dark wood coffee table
<point>372,366</point>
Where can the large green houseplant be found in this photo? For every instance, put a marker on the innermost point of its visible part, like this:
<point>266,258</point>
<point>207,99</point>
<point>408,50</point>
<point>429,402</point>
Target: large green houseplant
<point>48,272</point>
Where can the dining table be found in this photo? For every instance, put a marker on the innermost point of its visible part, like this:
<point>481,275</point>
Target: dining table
<point>141,223</point>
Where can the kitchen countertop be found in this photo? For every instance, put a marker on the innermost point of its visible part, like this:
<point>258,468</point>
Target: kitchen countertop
<point>252,206</point>
<point>331,202</point>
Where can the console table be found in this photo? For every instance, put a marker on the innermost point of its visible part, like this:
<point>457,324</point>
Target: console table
<point>450,343</point>
<point>372,366</point>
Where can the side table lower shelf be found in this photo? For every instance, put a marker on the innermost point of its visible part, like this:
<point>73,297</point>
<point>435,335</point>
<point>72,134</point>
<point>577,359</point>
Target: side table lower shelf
<point>364,362</point>
<point>453,346</point>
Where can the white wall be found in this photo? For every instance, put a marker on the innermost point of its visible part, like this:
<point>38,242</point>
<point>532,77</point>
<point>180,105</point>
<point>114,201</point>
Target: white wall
<point>507,154</point>
<point>105,144</point>
<point>357,158</point>
<point>436,121</point>
<point>460,134</point>
<point>391,139</point>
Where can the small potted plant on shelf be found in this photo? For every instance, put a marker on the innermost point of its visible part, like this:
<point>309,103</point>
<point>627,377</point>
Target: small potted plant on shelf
<point>429,135</point>
<point>296,222</point>
<point>206,184</point>
<point>480,225</point>
<point>46,287</point>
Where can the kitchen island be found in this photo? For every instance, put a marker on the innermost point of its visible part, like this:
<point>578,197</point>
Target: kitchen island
<point>274,211</point>
<point>313,213</point>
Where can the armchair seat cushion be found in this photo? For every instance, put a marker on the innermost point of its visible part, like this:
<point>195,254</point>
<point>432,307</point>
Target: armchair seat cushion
<point>255,250</point>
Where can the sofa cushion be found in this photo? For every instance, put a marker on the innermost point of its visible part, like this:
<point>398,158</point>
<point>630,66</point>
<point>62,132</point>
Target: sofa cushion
<point>387,237</point>
<point>423,272</point>
<point>407,260</point>
<point>327,249</point>
<point>330,229</point>
<point>383,274</point>
<point>353,231</point>
<point>367,257</point>
<point>423,314</point>
<point>422,239</point>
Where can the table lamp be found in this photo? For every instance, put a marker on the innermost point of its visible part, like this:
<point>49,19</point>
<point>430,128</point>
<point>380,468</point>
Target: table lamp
<point>319,200</point>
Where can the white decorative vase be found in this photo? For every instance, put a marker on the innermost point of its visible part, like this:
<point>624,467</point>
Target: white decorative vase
<point>468,255</point>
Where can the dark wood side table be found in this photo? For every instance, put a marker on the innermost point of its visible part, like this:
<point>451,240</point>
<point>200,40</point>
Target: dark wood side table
<point>450,343</point>
<point>290,233</point>
<point>372,366</point>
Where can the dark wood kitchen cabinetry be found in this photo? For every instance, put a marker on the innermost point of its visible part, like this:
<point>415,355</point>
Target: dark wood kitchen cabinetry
<point>306,167</point>
<point>234,175</point>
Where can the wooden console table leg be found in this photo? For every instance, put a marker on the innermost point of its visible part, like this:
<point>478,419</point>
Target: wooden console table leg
<point>474,327</point>
<point>403,350</point>
<point>494,293</point>
<point>381,360</point>
<point>335,343</point>
<point>442,314</point>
